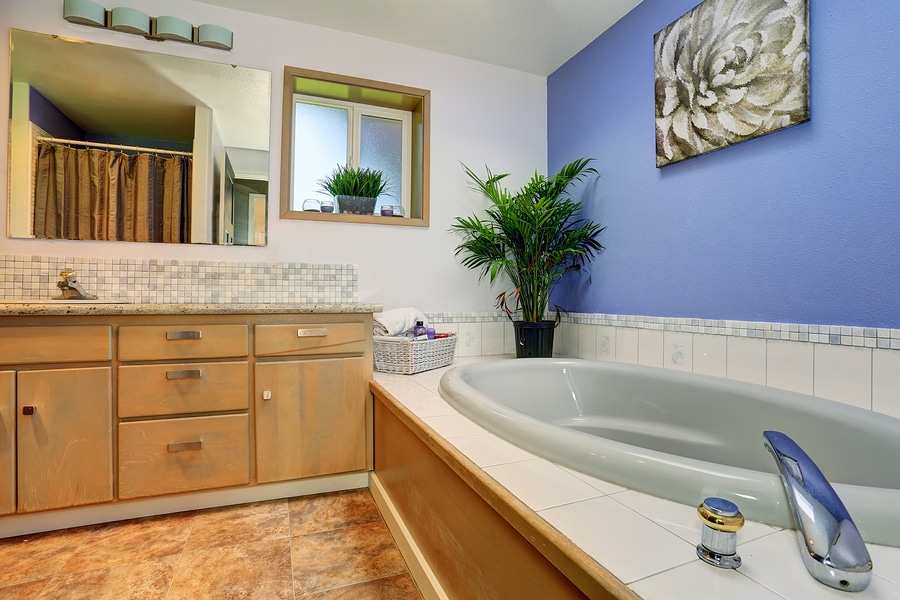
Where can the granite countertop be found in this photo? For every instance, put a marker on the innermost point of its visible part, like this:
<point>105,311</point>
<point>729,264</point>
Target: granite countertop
<point>93,307</point>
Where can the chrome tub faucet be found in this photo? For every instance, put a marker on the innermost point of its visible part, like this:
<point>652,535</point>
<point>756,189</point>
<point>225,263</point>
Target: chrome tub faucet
<point>831,546</point>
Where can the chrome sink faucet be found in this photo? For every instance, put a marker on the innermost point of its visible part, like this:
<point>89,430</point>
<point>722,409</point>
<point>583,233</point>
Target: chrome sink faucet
<point>831,546</point>
<point>69,287</point>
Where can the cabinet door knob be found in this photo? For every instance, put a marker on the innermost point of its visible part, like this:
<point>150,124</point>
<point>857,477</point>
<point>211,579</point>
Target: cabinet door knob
<point>28,410</point>
<point>267,395</point>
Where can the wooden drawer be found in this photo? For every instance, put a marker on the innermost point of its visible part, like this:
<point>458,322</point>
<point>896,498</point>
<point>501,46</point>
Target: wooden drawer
<point>181,342</point>
<point>60,344</point>
<point>180,455</point>
<point>300,339</point>
<point>181,388</point>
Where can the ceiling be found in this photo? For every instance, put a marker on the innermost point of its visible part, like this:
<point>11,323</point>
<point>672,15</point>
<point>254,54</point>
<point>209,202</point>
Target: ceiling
<point>535,36</point>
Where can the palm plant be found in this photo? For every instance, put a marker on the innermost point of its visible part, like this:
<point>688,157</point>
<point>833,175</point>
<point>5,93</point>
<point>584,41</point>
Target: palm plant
<point>533,236</point>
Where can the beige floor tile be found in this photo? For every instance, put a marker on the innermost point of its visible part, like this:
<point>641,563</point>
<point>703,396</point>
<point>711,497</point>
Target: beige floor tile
<point>233,525</point>
<point>38,556</point>
<point>311,514</point>
<point>147,580</point>
<point>330,559</point>
<point>398,587</point>
<point>24,591</point>
<point>132,541</point>
<point>255,570</point>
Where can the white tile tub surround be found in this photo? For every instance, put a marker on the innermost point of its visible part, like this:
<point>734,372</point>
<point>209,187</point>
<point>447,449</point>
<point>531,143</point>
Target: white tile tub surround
<point>844,374</point>
<point>789,365</point>
<point>886,382</point>
<point>710,354</point>
<point>178,281</point>
<point>647,542</point>
<point>854,365</point>
<point>745,359</point>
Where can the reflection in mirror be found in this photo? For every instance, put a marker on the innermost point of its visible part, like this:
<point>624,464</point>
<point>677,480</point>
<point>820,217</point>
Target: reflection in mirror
<point>110,143</point>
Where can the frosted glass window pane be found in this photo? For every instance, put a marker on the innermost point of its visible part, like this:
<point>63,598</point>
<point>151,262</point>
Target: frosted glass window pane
<point>320,145</point>
<point>381,147</point>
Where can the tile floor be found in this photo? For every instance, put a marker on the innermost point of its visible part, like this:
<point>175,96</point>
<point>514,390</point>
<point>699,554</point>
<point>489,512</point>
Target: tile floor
<point>325,547</point>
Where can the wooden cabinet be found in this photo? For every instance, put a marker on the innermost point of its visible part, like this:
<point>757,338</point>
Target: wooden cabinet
<point>56,430</point>
<point>180,455</point>
<point>186,452</point>
<point>310,418</point>
<point>98,408</point>
<point>64,431</point>
<point>7,442</point>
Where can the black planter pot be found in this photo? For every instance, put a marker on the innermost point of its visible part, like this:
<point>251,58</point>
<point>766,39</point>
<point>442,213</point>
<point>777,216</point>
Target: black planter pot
<point>534,340</point>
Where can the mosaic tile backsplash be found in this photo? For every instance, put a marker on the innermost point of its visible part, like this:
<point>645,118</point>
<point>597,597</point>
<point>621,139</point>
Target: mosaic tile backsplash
<point>180,281</point>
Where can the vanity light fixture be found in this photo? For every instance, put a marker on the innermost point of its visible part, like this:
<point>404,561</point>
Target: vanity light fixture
<point>130,20</point>
<point>173,28</point>
<point>214,36</point>
<point>84,12</point>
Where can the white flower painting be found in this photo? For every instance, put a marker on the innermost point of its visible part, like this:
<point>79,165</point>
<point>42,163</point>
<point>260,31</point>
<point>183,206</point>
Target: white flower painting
<point>729,71</point>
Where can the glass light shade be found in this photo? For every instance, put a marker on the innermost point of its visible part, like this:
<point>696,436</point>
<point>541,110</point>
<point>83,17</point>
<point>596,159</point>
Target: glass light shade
<point>84,12</point>
<point>173,28</point>
<point>130,20</point>
<point>214,36</point>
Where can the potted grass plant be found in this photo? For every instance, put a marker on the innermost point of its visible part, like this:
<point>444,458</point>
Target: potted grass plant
<point>533,236</point>
<point>354,189</point>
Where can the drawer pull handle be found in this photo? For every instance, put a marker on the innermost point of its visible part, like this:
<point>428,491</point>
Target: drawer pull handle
<point>182,446</point>
<point>313,332</point>
<point>184,335</point>
<point>185,374</point>
<point>28,410</point>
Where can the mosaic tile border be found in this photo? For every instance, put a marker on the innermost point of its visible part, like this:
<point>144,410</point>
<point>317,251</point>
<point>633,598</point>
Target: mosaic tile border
<point>839,335</point>
<point>180,281</point>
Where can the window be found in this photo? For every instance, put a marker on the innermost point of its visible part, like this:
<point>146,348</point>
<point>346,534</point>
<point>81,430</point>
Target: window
<point>333,120</point>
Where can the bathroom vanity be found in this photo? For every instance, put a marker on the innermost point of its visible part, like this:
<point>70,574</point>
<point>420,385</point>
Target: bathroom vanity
<point>131,409</point>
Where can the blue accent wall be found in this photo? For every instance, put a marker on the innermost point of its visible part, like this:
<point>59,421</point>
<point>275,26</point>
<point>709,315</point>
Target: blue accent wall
<point>798,226</point>
<point>45,115</point>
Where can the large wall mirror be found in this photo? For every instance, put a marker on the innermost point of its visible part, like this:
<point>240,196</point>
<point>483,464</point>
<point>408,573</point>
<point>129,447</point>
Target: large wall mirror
<point>110,143</point>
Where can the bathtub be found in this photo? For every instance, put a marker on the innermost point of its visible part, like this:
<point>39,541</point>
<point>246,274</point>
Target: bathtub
<point>685,437</point>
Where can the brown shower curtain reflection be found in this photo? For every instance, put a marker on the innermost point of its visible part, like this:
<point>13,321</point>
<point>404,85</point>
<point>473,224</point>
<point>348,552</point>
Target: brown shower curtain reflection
<point>96,194</point>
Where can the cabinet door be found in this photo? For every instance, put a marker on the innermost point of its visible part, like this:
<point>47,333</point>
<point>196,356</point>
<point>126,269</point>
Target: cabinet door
<point>7,442</point>
<point>310,418</point>
<point>64,421</point>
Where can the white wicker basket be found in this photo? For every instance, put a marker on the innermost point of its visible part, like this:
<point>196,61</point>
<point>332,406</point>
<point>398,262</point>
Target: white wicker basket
<point>404,356</point>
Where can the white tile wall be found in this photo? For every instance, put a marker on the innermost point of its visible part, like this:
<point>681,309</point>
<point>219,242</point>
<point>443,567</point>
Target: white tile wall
<point>469,342</point>
<point>789,366</point>
<point>886,382</point>
<point>492,337</point>
<point>745,359</point>
<point>854,365</point>
<point>606,342</point>
<point>844,373</point>
<point>650,347</point>
<point>627,345</point>
<point>709,354</point>
<point>678,351</point>
<point>587,341</point>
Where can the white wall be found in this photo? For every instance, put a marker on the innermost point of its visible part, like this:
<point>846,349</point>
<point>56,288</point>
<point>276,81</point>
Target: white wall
<point>481,114</point>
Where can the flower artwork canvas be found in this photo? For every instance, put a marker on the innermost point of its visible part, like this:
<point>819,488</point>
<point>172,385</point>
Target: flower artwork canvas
<point>729,71</point>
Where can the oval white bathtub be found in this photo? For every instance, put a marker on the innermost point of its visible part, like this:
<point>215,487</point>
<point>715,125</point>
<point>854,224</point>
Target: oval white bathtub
<point>683,436</point>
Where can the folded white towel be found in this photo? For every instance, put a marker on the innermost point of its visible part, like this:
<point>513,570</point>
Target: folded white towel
<point>397,321</point>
